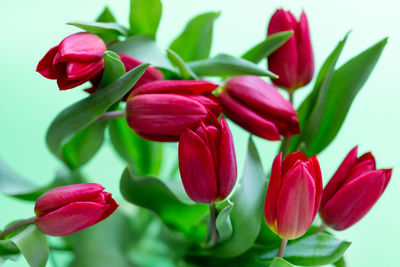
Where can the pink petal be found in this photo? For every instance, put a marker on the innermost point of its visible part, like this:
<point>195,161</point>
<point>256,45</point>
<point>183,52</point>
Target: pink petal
<point>305,52</point>
<point>273,190</point>
<point>80,70</point>
<point>45,66</point>
<point>82,46</point>
<point>110,207</point>
<point>291,159</point>
<point>176,87</point>
<point>210,101</point>
<point>64,83</point>
<point>315,170</point>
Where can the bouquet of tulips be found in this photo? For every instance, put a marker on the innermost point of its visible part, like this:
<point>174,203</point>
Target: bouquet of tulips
<point>185,204</point>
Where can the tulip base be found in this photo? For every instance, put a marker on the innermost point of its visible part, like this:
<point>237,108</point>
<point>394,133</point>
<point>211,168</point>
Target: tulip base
<point>16,226</point>
<point>282,248</point>
<point>213,232</point>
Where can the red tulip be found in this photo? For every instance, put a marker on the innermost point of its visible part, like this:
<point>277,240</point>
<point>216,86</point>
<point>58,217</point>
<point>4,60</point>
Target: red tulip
<point>69,209</point>
<point>163,110</point>
<point>353,190</point>
<point>207,162</point>
<point>76,60</point>
<point>294,61</point>
<point>259,108</point>
<point>293,196</point>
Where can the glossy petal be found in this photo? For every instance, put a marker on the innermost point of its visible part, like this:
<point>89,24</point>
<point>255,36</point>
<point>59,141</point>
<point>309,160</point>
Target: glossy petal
<point>211,102</point>
<point>80,70</point>
<point>198,176</point>
<point>64,83</point>
<point>176,87</point>
<point>111,206</point>
<point>82,46</point>
<point>291,159</point>
<point>45,66</point>
<point>305,52</point>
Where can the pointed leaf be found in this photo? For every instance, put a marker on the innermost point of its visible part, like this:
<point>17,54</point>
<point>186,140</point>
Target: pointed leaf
<point>145,16</point>
<point>279,262</point>
<point>106,16</point>
<point>110,28</point>
<point>184,69</point>
<point>223,223</point>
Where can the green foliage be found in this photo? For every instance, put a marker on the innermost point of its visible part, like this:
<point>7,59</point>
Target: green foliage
<point>106,16</point>
<point>194,43</point>
<point>224,223</point>
<point>101,28</point>
<point>185,72</point>
<point>279,262</point>
<point>145,16</point>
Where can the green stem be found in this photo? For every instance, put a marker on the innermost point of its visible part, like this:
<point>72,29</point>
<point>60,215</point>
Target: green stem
<point>286,140</point>
<point>111,115</point>
<point>282,248</point>
<point>16,226</point>
<point>213,227</point>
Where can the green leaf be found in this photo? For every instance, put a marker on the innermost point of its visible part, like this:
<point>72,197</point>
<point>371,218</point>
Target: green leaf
<point>153,194</point>
<point>12,183</point>
<point>81,114</point>
<point>345,84</point>
<point>314,250</point>
<point>195,41</point>
<point>267,47</point>
<point>104,244</point>
<point>106,16</point>
<point>100,27</point>
<point>33,246</point>
<point>224,65</point>
<point>145,16</point>
<point>248,202</point>
<point>143,48</point>
<point>185,71</point>
<point>279,262</point>
<point>224,224</point>
<point>114,68</point>
<point>340,262</point>
<point>143,156</point>
<point>311,110</point>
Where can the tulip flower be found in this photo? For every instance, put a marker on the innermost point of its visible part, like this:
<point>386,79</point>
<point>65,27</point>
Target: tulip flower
<point>76,60</point>
<point>207,162</point>
<point>353,190</point>
<point>293,195</point>
<point>259,108</point>
<point>69,209</point>
<point>163,110</point>
<point>293,62</point>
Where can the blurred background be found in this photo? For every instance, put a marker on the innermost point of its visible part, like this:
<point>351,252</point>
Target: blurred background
<point>29,102</point>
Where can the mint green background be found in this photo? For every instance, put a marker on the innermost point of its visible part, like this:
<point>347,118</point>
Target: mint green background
<point>30,102</point>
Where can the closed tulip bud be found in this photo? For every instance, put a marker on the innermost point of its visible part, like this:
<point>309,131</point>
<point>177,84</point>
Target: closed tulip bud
<point>69,209</point>
<point>293,195</point>
<point>259,108</point>
<point>293,62</point>
<point>163,110</point>
<point>76,60</point>
<point>353,190</point>
<point>207,162</point>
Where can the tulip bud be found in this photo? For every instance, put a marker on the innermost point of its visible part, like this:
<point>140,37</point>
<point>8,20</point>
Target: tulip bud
<point>258,108</point>
<point>293,62</point>
<point>353,190</point>
<point>76,60</point>
<point>207,162</point>
<point>293,195</point>
<point>163,110</point>
<point>68,209</point>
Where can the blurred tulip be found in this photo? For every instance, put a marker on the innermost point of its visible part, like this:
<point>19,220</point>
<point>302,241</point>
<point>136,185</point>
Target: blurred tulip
<point>293,62</point>
<point>293,196</point>
<point>259,108</point>
<point>353,190</point>
<point>76,60</point>
<point>163,110</point>
<point>207,162</point>
<point>69,209</point>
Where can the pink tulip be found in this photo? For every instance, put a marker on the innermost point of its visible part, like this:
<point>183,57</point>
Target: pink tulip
<point>69,209</point>
<point>207,162</point>
<point>259,108</point>
<point>294,61</point>
<point>353,190</point>
<point>293,196</point>
<point>163,110</point>
<point>76,60</point>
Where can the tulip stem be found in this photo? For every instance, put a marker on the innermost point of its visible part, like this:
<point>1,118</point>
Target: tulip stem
<point>111,115</point>
<point>286,140</point>
<point>213,227</point>
<point>320,229</point>
<point>16,226</point>
<point>282,248</point>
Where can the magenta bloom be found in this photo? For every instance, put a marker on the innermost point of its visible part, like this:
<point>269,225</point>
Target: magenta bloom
<point>207,162</point>
<point>163,110</point>
<point>259,108</point>
<point>76,60</point>
<point>294,61</point>
<point>68,209</point>
<point>353,190</point>
<point>294,194</point>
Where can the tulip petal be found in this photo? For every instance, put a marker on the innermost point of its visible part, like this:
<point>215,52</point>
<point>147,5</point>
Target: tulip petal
<point>63,195</point>
<point>353,200</point>
<point>296,203</point>
<point>291,159</point>
<point>70,218</point>
<point>227,172</point>
<point>176,87</point>
<point>45,66</point>
<point>110,207</point>
<point>82,46</point>
<point>315,170</point>
<point>305,52</point>
<point>79,70</point>
<point>248,119</point>
<point>210,101</point>
<point>198,176</point>
<point>273,190</point>
<point>64,83</point>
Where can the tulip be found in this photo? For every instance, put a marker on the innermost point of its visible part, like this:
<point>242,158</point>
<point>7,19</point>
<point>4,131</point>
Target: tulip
<point>76,60</point>
<point>353,190</point>
<point>69,209</point>
<point>258,108</point>
<point>163,110</point>
<point>293,195</point>
<point>293,62</point>
<point>207,162</point>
